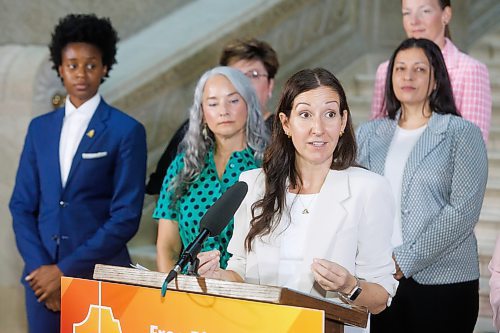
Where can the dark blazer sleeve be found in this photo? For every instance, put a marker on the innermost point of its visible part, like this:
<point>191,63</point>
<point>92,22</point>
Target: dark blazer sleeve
<point>125,208</point>
<point>156,178</point>
<point>24,207</point>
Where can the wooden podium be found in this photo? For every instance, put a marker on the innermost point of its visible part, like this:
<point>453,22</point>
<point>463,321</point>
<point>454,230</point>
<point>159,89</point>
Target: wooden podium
<point>108,301</point>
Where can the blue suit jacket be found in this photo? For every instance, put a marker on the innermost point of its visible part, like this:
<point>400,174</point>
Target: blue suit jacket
<point>90,220</point>
<point>443,187</point>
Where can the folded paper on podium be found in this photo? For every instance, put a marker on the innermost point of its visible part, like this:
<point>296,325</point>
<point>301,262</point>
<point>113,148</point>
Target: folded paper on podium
<point>128,300</point>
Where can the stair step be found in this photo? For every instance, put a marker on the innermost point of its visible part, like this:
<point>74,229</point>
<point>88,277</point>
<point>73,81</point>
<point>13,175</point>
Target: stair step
<point>484,325</point>
<point>493,66</point>
<point>493,163</point>
<point>486,48</point>
<point>484,288</point>
<point>494,84</point>
<point>364,84</point>
<point>494,138</point>
<point>488,228</point>
<point>360,109</point>
<point>485,252</point>
<point>492,195</point>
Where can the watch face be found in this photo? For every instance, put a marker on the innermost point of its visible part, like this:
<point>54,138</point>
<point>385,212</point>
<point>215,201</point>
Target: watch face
<point>355,293</point>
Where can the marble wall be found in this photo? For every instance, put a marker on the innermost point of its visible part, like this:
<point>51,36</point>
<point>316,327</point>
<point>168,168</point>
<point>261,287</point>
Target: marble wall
<point>29,22</point>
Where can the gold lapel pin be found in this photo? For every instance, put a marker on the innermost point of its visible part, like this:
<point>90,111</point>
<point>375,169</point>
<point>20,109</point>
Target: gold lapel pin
<point>90,133</point>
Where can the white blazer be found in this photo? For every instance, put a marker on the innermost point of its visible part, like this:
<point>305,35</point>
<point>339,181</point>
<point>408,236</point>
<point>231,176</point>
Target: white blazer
<point>351,225</point>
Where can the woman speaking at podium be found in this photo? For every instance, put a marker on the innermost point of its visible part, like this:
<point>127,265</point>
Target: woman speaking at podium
<point>312,220</point>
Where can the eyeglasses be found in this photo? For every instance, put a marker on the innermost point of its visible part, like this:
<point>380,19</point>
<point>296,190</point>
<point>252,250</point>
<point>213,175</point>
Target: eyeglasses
<point>254,74</point>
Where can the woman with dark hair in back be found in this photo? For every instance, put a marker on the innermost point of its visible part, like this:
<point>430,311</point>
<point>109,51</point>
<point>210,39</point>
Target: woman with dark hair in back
<point>437,165</point>
<point>469,78</point>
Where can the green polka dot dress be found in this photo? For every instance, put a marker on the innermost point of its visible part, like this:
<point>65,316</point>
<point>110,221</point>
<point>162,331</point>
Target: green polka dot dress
<point>203,192</point>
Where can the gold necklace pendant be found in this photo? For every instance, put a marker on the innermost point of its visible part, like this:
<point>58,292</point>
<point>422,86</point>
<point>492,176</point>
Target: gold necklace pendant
<point>305,209</point>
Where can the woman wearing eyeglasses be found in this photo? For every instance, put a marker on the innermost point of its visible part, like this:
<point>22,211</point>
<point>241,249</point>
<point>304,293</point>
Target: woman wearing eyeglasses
<point>259,62</point>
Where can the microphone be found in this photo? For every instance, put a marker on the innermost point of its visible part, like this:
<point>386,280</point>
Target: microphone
<point>212,223</point>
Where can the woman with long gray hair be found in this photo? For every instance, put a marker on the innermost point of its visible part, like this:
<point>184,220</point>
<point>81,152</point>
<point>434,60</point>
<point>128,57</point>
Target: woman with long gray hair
<point>226,136</point>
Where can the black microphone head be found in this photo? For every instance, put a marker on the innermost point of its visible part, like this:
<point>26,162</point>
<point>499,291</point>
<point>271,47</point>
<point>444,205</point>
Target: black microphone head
<point>218,216</point>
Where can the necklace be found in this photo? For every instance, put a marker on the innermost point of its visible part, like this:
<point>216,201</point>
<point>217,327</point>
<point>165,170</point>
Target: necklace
<point>311,198</point>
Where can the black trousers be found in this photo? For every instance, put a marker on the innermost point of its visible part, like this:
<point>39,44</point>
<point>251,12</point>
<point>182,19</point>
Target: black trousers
<point>430,308</point>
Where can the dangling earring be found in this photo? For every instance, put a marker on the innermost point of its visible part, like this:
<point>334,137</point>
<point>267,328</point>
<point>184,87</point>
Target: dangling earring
<point>288,134</point>
<point>341,133</point>
<point>204,131</point>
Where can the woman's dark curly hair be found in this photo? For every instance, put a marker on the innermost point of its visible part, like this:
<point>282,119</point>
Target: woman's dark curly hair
<point>84,28</point>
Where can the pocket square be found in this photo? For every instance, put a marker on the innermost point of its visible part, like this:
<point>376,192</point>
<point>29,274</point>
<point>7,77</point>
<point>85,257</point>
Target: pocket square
<point>89,156</point>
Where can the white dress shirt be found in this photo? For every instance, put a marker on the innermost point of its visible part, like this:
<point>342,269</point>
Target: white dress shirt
<point>401,146</point>
<point>76,121</point>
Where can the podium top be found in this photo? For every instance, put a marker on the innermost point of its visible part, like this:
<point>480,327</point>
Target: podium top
<point>334,310</point>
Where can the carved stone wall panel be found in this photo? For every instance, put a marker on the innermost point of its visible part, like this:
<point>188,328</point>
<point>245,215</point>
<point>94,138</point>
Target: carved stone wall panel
<point>19,18</point>
<point>163,114</point>
<point>18,66</point>
<point>482,16</point>
<point>167,98</point>
<point>300,36</point>
<point>388,28</point>
<point>45,86</point>
<point>303,30</point>
<point>169,95</point>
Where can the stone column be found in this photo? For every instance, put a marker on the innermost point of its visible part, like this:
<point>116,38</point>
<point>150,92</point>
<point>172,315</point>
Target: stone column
<point>24,93</point>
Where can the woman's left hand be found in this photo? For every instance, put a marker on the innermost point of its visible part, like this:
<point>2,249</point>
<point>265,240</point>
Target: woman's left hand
<point>333,277</point>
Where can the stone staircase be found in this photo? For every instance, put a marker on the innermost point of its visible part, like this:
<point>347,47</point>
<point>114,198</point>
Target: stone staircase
<point>358,80</point>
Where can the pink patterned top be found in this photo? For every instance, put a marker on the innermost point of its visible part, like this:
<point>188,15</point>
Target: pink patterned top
<point>470,82</point>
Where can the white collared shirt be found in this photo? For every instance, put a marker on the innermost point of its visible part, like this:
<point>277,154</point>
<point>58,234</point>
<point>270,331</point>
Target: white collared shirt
<point>76,121</point>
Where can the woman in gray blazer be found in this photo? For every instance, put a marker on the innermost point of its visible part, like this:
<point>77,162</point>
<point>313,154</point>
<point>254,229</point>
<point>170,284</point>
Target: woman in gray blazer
<point>437,165</point>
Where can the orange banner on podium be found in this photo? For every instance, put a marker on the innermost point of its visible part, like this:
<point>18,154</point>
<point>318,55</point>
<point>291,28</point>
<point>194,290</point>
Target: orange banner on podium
<point>90,306</point>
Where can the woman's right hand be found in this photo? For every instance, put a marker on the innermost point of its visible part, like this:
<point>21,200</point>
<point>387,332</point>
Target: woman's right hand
<point>399,274</point>
<point>209,264</point>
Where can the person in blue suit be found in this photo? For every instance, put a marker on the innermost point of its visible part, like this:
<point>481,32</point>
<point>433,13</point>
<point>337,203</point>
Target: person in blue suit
<point>80,184</point>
